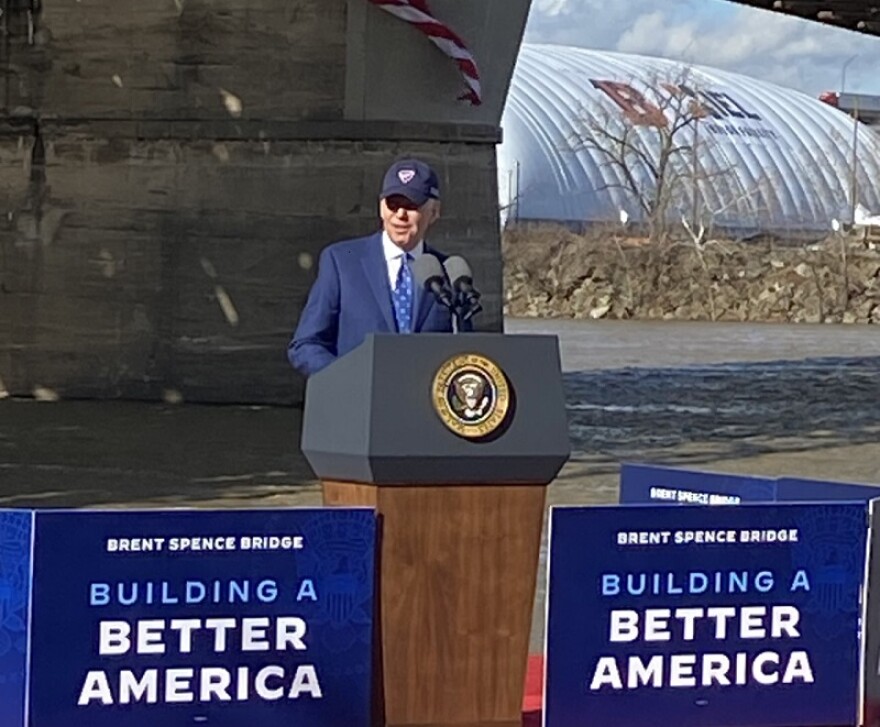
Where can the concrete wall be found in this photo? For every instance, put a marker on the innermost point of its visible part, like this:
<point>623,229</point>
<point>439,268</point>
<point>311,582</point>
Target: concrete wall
<point>394,74</point>
<point>170,169</point>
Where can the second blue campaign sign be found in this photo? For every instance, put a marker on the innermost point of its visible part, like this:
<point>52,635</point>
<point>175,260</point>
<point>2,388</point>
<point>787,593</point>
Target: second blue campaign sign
<point>704,616</point>
<point>220,618</point>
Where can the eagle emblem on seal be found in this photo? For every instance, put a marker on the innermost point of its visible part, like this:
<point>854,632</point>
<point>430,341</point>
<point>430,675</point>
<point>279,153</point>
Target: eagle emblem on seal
<point>471,395</point>
<point>470,398</point>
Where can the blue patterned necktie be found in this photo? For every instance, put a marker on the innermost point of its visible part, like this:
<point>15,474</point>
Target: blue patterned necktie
<point>402,295</point>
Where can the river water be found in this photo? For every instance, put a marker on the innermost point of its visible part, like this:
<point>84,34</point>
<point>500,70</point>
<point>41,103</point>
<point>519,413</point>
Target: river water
<point>588,345</point>
<point>764,399</point>
<point>702,391</point>
<point>772,399</point>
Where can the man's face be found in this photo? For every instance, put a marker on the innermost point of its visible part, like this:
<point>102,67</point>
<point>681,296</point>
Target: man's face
<point>405,222</point>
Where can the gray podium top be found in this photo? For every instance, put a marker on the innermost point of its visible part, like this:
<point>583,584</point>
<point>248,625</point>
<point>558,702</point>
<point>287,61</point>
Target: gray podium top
<point>370,417</point>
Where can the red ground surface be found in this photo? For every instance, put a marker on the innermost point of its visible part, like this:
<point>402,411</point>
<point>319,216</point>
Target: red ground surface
<point>532,701</point>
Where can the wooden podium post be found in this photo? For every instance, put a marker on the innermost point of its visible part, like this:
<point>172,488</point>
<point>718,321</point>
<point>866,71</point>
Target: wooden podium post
<point>460,517</point>
<point>456,587</point>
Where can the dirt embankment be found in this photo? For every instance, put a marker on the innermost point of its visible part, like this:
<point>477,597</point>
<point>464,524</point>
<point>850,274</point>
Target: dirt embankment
<point>553,273</point>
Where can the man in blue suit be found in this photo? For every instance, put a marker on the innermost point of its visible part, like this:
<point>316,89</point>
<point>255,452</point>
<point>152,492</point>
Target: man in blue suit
<point>366,285</point>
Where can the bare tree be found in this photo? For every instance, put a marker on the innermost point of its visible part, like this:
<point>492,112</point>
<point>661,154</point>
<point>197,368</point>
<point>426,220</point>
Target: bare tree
<point>655,147</point>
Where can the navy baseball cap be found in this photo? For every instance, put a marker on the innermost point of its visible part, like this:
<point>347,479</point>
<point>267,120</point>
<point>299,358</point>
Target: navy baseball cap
<point>413,179</point>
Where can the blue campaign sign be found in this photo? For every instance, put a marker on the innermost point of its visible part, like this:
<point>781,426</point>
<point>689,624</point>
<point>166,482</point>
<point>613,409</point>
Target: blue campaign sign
<point>790,489</point>
<point>15,569</point>
<point>694,616</point>
<point>223,618</point>
<point>871,638</point>
<point>643,484</point>
<point>649,484</point>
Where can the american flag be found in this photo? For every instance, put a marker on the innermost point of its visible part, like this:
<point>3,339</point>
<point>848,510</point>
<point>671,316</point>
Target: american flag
<point>418,14</point>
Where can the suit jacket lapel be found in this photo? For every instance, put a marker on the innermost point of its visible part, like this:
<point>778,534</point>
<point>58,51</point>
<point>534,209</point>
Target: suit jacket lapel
<point>376,270</point>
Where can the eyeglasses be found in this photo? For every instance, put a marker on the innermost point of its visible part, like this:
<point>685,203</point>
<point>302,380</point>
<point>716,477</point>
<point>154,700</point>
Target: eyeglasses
<point>396,202</point>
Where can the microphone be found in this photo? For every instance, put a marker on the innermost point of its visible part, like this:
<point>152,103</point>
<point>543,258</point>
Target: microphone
<point>467,296</point>
<point>428,274</point>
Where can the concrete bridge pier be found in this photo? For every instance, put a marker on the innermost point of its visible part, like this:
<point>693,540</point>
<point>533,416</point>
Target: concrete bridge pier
<point>170,170</point>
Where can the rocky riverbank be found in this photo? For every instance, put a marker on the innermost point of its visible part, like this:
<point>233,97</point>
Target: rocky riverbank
<point>550,272</point>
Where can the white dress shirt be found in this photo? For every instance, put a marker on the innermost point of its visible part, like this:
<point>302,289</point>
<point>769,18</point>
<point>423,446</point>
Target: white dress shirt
<point>394,258</point>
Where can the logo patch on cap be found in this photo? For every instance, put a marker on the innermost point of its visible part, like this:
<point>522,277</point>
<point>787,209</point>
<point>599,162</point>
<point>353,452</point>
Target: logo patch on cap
<point>406,175</point>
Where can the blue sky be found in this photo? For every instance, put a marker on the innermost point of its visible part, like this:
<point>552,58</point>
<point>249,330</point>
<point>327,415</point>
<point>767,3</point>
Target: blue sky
<point>791,52</point>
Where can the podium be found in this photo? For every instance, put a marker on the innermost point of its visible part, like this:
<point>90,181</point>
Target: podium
<point>453,440</point>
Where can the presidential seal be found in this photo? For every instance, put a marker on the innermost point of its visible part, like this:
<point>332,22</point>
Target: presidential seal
<point>471,395</point>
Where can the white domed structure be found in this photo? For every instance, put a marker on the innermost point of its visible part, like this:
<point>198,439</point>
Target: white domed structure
<point>768,159</point>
